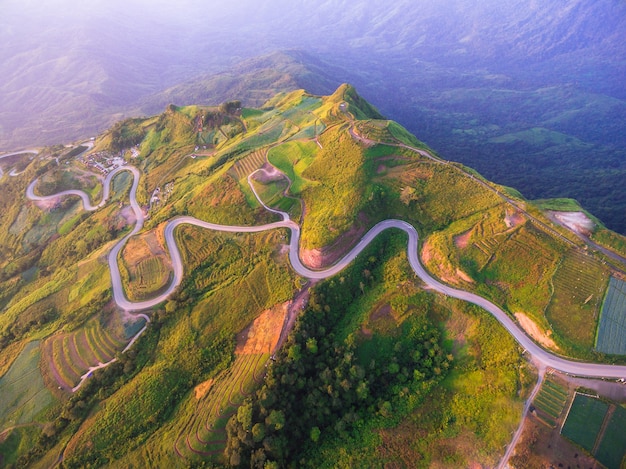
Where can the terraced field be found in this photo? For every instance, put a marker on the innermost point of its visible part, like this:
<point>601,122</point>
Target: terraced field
<point>204,434</point>
<point>245,166</point>
<point>550,402</point>
<point>611,336</point>
<point>578,286</point>
<point>69,356</point>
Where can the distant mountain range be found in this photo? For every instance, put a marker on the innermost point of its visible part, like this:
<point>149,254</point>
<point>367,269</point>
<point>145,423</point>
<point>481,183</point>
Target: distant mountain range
<point>531,94</point>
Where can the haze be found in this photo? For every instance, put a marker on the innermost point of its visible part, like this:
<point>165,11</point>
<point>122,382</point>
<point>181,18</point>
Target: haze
<point>517,90</point>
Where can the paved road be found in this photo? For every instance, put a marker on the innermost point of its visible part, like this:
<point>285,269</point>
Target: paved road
<point>540,355</point>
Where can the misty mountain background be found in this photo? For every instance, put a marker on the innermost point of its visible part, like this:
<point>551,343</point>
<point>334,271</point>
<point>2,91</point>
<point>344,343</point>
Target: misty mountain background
<point>531,94</point>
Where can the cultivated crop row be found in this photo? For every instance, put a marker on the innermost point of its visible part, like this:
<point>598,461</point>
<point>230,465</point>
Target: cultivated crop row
<point>611,337</point>
<point>550,402</point>
<point>204,434</point>
<point>598,427</point>
<point>249,164</point>
<point>70,355</point>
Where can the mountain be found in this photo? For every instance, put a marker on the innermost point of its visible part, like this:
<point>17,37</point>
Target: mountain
<point>188,319</point>
<point>529,93</point>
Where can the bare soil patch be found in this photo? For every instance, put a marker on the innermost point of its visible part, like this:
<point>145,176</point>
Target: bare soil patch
<point>513,219</point>
<point>577,222</point>
<point>262,335</point>
<point>442,267</point>
<point>462,241</point>
<point>203,388</point>
<point>535,332</point>
<point>141,247</point>
<point>542,446</point>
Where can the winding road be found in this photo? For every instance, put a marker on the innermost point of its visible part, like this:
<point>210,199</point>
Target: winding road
<point>541,356</point>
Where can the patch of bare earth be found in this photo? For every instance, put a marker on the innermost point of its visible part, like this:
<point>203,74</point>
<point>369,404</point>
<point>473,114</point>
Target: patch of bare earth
<point>461,241</point>
<point>542,446</point>
<point>203,388</point>
<point>323,257</point>
<point>531,328</point>
<point>577,222</point>
<point>513,219</point>
<point>442,267</point>
<point>262,335</point>
<point>147,245</point>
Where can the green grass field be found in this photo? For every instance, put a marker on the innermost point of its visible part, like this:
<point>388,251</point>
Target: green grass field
<point>611,336</point>
<point>23,393</point>
<point>578,287</point>
<point>612,448</point>
<point>293,158</point>
<point>584,421</point>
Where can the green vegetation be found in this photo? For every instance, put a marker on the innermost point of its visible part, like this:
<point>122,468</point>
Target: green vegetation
<point>293,158</point>
<point>578,288</point>
<point>612,448</point>
<point>584,421</point>
<point>376,371</point>
<point>550,401</point>
<point>611,337</point>
<point>24,395</point>
<point>205,432</point>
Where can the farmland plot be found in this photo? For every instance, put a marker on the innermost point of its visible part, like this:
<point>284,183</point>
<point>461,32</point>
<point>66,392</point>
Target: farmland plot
<point>584,421</point>
<point>611,337</point>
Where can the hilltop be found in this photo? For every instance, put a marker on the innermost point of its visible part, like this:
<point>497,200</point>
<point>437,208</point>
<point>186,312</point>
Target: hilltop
<point>253,359</point>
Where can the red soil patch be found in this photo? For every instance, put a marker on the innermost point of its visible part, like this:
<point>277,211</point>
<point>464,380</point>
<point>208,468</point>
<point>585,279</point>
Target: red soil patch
<point>202,389</point>
<point>461,241</point>
<point>262,335</point>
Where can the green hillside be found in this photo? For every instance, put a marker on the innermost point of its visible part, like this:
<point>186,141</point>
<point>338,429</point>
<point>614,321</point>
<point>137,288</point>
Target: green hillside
<point>372,369</point>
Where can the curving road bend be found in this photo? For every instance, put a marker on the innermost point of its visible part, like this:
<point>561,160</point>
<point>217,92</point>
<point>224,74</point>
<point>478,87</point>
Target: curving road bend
<point>541,356</point>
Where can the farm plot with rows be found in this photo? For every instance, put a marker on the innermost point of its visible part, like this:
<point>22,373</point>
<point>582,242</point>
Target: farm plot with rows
<point>70,355</point>
<point>578,287</point>
<point>550,402</point>
<point>611,337</point>
<point>612,448</point>
<point>204,434</point>
<point>584,421</point>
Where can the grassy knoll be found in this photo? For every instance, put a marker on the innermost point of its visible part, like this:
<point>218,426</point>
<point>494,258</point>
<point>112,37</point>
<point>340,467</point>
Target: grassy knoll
<point>339,175</point>
<point>24,395</point>
<point>510,262</point>
<point>422,421</point>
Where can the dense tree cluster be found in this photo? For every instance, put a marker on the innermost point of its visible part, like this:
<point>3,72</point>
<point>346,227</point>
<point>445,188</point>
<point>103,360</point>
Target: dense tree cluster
<point>322,386</point>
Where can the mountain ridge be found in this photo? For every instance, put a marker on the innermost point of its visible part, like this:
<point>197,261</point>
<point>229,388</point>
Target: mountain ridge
<point>332,162</point>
